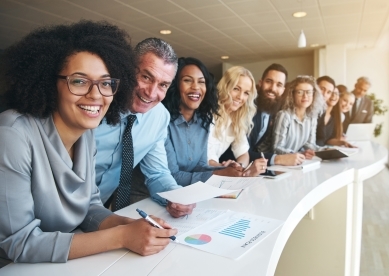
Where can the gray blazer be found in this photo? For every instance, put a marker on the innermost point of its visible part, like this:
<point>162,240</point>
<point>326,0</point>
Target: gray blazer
<point>363,114</point>
<point>43,194</point>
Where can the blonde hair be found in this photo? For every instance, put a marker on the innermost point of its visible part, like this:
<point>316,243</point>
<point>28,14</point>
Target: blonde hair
<point>346,93</point>
<point>318,104</point>
<point>241,119</point>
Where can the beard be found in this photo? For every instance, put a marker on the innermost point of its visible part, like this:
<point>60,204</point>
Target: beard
<point>267,105</point>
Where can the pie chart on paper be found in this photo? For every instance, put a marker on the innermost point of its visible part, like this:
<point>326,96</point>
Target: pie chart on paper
<point>198,239</point>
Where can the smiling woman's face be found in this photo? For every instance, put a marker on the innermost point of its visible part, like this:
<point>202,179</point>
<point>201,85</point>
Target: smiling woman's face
<point>192,88</point>
<point>240,93</point>
<point>346,102</point>
<point>79,113</point>
<point>333,100</point>
<point>303,95</point>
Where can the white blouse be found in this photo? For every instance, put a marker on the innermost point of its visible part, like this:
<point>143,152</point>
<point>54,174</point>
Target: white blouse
<point>216,147</point>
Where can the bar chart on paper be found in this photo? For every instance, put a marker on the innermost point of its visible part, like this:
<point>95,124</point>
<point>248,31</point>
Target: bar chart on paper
<point>237,230</point>
<point>230,234</point>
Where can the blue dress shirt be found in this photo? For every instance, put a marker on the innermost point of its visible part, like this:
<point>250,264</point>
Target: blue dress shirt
<point>149,133</point>
<point>265,122</point>
<point>186,149</point>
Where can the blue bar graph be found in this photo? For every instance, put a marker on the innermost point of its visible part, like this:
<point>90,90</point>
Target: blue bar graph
<point>237,229</point>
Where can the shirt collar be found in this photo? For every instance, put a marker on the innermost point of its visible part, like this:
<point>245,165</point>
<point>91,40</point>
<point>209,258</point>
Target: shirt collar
<point>297,118</point>
<point>139,116</point>
<point>181,119</point>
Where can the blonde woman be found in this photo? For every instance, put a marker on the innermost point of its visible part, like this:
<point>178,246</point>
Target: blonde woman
<point>346,101</point>
<point>236,110</point>
<point>295,124</point>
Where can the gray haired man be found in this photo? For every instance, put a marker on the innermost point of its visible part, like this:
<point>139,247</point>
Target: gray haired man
<point>157,66</point>
<point>363,108</point>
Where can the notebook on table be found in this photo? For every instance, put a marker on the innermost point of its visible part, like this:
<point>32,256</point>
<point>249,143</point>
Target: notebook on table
<point>360,132</point>
<point>306,165</point>
<point>334,153</point>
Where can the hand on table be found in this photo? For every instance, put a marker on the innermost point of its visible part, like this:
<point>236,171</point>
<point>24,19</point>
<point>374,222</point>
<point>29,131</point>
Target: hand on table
<point>309,154</point>
<point>178,210</point>
<point>290,159</point>
<point>230,171</point>
<point>231,163</point>
<point>259,166</point>
<point>348,145</point>
<point>143,238</point>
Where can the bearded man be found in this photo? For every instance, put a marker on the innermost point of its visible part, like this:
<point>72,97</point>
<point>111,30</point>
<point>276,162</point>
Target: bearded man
<point>270,99</point>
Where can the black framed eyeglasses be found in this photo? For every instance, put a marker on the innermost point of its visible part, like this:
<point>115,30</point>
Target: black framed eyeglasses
<point>301,92</point>
<point>81,86</point>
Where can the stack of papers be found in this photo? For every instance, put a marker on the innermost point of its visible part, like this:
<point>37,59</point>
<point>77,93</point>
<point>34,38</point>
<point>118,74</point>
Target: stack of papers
<point>232,183</point>
<point>314,163</point>
<point>193,193</point>
<point>216,186</point>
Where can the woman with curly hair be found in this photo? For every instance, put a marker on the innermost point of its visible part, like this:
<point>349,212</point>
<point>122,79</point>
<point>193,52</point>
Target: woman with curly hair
<point>237,93</point>
<point>191,101</point>
<point>295,125</point>
<point>60,82</point>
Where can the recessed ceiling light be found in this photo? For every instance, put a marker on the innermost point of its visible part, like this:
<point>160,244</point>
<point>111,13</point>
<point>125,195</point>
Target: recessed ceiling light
<point>224,57</point>
<point>165,32</point>
<point>299,14</point>
<point>315,45</point>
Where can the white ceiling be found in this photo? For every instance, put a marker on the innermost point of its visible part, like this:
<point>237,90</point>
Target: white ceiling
<point>245,30</point>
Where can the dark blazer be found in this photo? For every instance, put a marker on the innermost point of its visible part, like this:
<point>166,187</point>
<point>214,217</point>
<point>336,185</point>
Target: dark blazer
<point>364,114</point>
<point>254,154</point>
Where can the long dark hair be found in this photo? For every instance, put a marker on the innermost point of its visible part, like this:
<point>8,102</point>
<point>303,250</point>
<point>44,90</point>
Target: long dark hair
<point>208,106</point>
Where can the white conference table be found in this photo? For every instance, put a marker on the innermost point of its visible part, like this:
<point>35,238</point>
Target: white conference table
<point>322,210</point>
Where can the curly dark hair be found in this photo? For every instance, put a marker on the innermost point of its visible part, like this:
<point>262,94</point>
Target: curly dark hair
<point>208,106</point>
<point>32,65</point>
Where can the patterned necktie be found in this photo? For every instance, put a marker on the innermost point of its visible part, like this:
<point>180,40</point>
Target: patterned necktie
<point>122,194</point>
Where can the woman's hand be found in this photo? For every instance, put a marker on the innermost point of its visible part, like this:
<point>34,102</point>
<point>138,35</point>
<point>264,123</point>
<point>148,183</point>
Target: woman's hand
<point>136,235</point>
<point>309,154</point>
<point>213,163</point>
<point>259,166</point>
<point>348,145</point>
<point>145,239</point>
<point>236,171</point>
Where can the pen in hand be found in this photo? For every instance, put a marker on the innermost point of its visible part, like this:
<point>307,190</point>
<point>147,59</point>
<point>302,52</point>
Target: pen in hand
<point>153,222</point>
<point>248,166</point>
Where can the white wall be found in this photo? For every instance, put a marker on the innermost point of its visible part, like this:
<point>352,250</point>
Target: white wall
<point>301,65</point>
<point>372,63</point>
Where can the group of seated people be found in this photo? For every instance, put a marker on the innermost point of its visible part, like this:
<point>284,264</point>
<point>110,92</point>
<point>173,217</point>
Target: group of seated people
<point>85,109</point>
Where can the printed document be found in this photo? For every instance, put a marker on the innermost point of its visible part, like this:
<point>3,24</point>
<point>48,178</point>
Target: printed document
<point>194,193</point>
<point>231,234</point>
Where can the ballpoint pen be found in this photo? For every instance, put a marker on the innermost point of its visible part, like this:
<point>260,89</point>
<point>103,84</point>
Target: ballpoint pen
<point>248,166</point>
<point>263,156</point>
<point>153,222</point>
